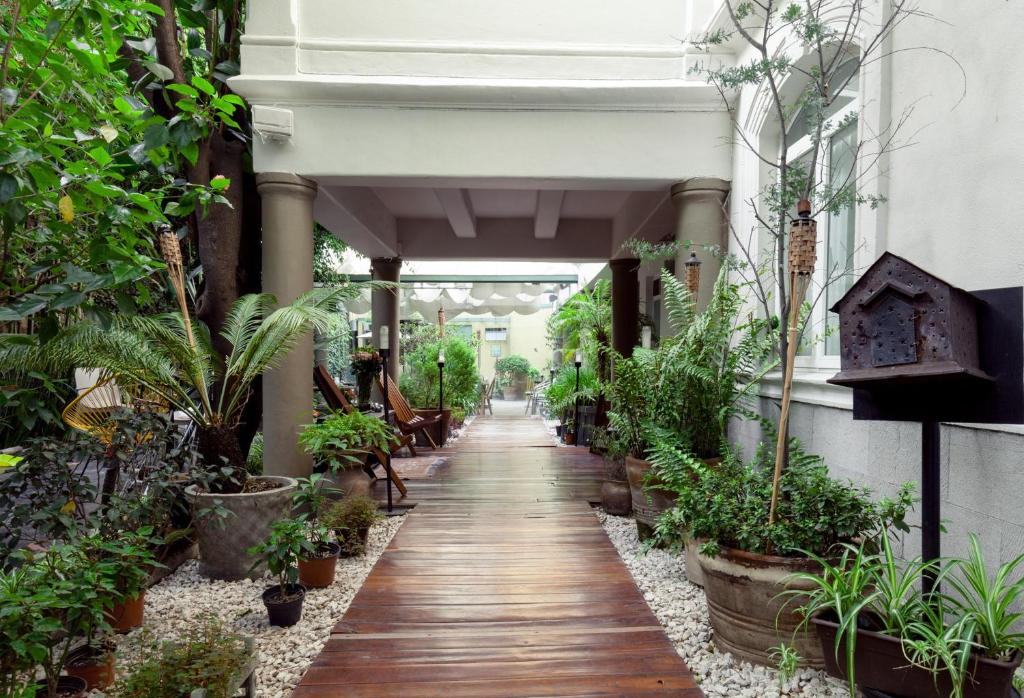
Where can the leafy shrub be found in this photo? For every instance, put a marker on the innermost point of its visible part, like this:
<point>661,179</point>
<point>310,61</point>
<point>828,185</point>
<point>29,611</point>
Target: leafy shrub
<point>511,367</point>
<point>561,394</point>
<point>208,656</point>
<point>339,434</point>
<point>350,518</point>
<point>727,504</point>
<point>419,382</point>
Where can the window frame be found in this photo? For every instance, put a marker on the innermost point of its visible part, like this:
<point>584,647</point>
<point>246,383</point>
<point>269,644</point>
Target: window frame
<point>817,358</point>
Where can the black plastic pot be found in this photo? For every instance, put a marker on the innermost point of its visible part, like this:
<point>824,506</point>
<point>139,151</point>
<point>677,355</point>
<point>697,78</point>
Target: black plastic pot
<point>882,667</point>
<point>286,613</point>
<point>67,687</point>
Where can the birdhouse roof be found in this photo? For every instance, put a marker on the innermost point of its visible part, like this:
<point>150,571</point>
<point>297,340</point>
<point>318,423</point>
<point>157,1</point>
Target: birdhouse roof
<point>896,286</point>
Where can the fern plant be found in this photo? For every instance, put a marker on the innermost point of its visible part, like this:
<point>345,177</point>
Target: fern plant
<point>584,323</point>
<point>162,357</point>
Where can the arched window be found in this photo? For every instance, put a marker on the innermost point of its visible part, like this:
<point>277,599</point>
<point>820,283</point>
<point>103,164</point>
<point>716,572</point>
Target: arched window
<point>837,160</point>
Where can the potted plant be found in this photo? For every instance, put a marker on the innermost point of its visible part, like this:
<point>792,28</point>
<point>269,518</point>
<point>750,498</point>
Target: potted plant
<point>281,552</point>
<point>58,593</point>
<point>207,662</point>
<point>125,560</point>
<point>316,569</point>
<point>749,567</point>
<point>684,393</point>
<point>342,442</point>
<point>351,519</point>
<point>615,495</point>
<point>366,365</point>
<point>513,372</point>
<point>879,630</point>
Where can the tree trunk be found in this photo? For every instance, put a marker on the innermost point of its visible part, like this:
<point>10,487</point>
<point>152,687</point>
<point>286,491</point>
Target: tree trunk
<point>218,446</point>
<point>220,238</point>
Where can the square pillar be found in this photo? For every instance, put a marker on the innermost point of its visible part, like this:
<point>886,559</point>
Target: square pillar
<point>287,209</point>
<point>625,305</point>
<point>702,219</point>
<point>386,308</point>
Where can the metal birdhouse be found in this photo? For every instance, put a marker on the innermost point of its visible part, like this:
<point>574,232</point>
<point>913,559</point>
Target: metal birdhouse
<point>900,324</point>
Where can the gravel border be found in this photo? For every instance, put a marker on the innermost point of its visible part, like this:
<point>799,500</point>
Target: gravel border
<point>181,599</point>
<point>682,609</point>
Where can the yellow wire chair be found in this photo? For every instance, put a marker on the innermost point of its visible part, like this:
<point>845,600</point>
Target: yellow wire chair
<point>93,410</point>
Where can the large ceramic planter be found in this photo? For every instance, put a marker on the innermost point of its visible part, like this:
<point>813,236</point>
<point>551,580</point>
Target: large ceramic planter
<point>649,501</point>
<point>882,665</point>
<point>352,481</point>
<point>694,572</point>
<point>615,498</point>
<point>748,616</point>
<point>223,542</point>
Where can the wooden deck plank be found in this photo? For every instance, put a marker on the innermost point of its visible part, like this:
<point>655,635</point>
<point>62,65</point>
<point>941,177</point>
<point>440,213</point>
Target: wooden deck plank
<point>501,583</point>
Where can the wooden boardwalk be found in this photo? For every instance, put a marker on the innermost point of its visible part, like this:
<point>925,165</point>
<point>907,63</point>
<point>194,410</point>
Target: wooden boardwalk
<point>501,583</point>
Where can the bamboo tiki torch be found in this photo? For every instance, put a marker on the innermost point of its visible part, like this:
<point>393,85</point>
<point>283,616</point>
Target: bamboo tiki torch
<point>803,239</point>
<point>171,251</point>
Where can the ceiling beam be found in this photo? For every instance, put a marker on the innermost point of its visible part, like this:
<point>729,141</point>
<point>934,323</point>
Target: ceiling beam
<point>549,210</point>
<point>358,218</point>
<point>459,209</point>
<point>579,240</point>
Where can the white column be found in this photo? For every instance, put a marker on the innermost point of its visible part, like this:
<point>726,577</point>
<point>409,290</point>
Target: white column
<point>702,218</point>
<point>287,205</point>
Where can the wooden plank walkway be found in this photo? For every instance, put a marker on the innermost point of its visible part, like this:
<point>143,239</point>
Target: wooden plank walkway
<point>501,583</point>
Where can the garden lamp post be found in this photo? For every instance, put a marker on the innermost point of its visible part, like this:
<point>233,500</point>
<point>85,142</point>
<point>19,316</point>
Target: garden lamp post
<point>385,349</point>
<point>440,393</point>
<point>576,413</point>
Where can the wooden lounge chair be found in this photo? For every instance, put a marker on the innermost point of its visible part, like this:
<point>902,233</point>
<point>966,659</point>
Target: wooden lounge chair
<point>485,398</point>
<point>336,400</point>
<point>407,421</point>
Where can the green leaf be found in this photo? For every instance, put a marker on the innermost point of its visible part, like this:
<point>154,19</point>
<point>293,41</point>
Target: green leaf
<point>101,156</point>
<point>8,187</point>
<point>204,85</point>
<point>160,70</point>
<point>156,136</point>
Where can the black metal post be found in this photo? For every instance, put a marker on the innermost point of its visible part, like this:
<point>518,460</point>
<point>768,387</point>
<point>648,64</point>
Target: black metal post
<point>931,496</point>
<point>576,415</point>
<point>440,400</point>
<point>387,452</point>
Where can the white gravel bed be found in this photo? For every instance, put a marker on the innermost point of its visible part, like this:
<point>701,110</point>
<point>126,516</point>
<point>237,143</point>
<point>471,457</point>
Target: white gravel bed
<point>185,597</point>
<point>682,609</point>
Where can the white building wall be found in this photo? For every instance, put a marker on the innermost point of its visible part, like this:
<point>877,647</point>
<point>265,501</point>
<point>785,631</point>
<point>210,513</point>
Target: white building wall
<point>954,207</point>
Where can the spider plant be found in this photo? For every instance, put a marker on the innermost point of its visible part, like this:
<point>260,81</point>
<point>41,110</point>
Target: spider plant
<point>989,602</point>
<point>163,358</point>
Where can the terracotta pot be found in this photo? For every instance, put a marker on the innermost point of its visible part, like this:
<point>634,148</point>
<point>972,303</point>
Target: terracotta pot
<point>568,438</point>
<point>223,542</point>
<point>649,500</point>
<point>92,665</point>
<point>318,572</point>
<point>67,687</point>
<point>746,610</point>
<point>128,614</point>
<point>694,572</point>
<point>615,497</point>
<point>881,665</point>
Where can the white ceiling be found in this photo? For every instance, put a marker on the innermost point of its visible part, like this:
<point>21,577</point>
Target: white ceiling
<point>422,202</point>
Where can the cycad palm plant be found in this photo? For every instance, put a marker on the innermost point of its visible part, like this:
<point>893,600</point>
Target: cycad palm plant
<point>162,357</point>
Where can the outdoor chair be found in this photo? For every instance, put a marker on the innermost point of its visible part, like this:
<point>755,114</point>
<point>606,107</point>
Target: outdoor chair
<point>485,398</point>
<point>534,395</point>
<point>337,401</point>
<point>407,421</point>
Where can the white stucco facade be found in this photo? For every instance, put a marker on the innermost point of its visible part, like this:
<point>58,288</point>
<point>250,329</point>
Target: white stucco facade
<point>556,130</point>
